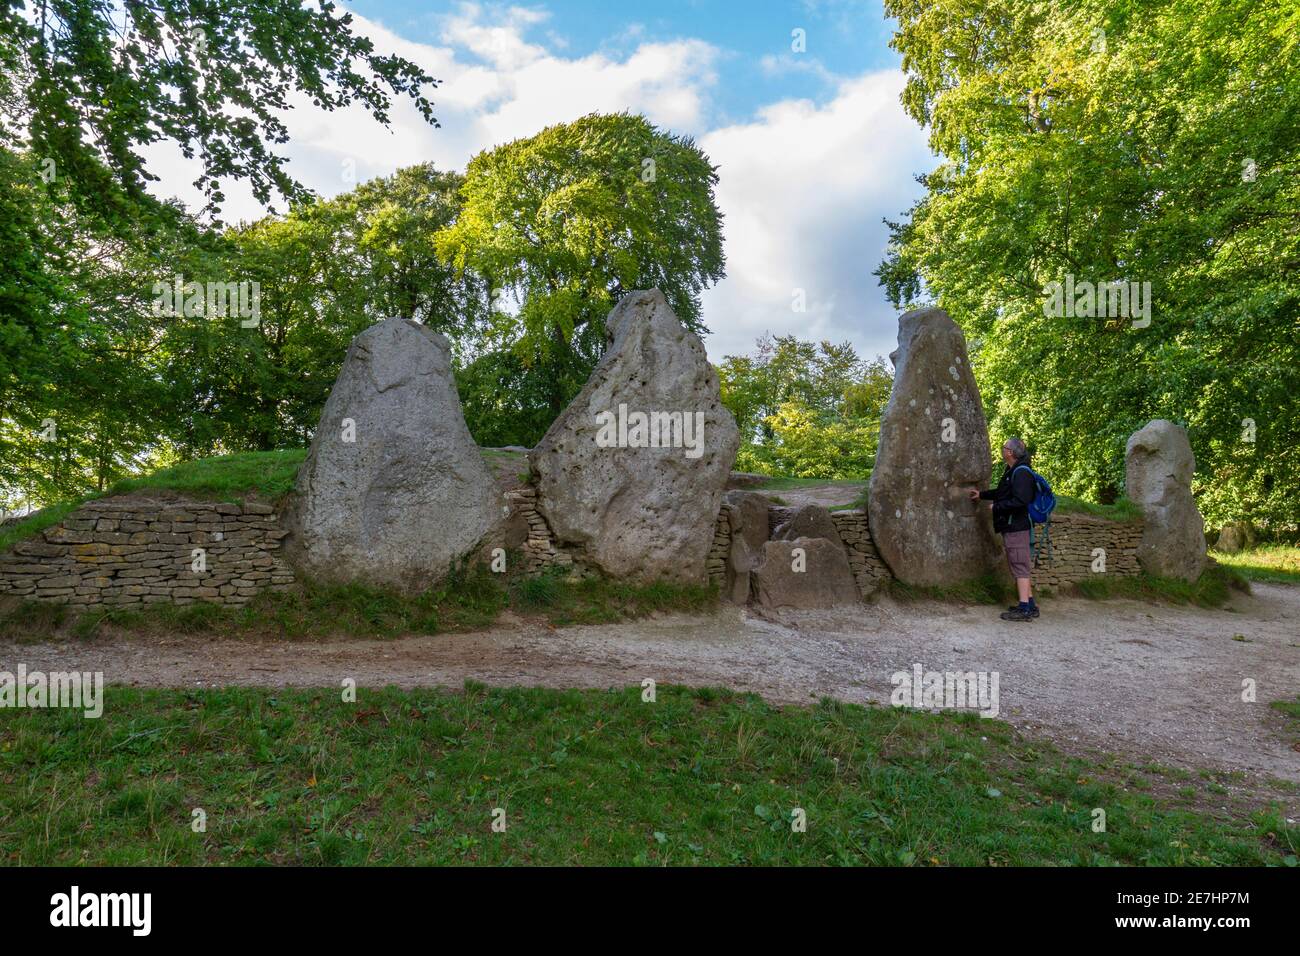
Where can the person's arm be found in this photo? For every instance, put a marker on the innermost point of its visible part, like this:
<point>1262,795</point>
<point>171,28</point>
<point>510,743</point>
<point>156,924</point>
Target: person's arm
<point>988,494</point>
<point>1022,492</point>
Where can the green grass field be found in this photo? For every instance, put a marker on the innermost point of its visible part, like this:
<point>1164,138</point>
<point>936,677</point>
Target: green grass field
<point>588,777</point>
<point>1273,564</point>
<point>1122,510</point>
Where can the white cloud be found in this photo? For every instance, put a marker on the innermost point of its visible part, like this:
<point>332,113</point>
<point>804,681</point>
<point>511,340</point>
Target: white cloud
<point>803,186</point>
<point>494,87</point>
<point>804,189</point>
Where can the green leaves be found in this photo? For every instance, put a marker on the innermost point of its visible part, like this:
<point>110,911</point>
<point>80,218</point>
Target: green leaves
<point>1093,142</point>
<point>565,223</point>
<point>806,410</point>
<point>214,78</point>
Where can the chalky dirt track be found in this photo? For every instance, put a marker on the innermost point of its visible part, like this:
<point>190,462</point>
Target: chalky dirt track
<point>1162,684</point>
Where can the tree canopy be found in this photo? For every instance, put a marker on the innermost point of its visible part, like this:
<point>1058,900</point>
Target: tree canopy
<point>97,81</point>
<point>1154,142</point>
<point>562,224</point>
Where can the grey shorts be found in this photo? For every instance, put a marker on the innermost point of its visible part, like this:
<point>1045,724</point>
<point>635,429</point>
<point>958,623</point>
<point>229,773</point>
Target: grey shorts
<point>1019,558</point>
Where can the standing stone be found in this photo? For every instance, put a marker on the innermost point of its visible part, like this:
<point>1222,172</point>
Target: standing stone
<point>934,444</point>
<point>819,576</point>
<point>1234,537</point>
<point>746,513</point>
<point>409,494</point>
<point>631,475</point>
<point>1158,466</point>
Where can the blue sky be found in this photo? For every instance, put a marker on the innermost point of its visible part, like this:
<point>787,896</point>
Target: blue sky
<point>843,37</point>
<point>813,148</point>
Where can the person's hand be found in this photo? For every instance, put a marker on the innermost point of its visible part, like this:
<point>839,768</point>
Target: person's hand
<point>973,494</point>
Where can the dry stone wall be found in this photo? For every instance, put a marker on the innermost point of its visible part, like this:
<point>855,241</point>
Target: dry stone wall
<point>716,563</point>
<point>869,569</point>
<point>141,550</point>
<point>1075,540</point>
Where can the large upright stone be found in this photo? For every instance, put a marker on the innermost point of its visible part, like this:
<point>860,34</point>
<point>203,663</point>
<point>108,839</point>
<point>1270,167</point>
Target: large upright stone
<point>934,443</point>
<point>394,489</point>
<point>1158,466</point>
<point>631,475</point>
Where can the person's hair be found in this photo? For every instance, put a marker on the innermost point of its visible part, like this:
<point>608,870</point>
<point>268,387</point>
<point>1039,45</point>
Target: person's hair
<point>1017,448</point>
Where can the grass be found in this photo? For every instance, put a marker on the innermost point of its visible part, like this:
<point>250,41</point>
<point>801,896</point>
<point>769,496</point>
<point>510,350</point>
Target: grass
<point>698,777</point>
<point>1122,510</point>
<point>470,599</point>
<point>506,464</point>
<point>269,475</point>
<point>1212,589</point>
<point>1274,564</point>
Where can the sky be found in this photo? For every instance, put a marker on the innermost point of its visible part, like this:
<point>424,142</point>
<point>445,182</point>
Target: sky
<point>812,146</point>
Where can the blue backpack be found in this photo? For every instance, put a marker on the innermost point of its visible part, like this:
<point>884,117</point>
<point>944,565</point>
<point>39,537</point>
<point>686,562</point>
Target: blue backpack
<point>1040,509</point>
<point>1040,512</point>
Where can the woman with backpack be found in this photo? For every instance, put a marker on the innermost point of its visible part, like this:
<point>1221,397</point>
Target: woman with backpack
<point>1011,500</point>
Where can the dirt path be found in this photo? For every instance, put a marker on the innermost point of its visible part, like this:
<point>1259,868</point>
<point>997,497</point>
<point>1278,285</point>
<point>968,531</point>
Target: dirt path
<point>831,495</point>
<point>1161,683</point>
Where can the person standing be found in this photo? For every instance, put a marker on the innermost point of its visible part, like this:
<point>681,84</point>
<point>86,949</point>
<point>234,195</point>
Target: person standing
<point>1011,499</point>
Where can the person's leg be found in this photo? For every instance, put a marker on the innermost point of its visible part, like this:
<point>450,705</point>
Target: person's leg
<point>1019,560</point>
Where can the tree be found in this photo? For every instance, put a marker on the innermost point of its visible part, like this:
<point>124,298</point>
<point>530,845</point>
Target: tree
<point>324,272</point>
<point>99,81</point>
<point>80,398</point>
<point>804,409</point>
<point>1156,143</point>
<point>568,221</point>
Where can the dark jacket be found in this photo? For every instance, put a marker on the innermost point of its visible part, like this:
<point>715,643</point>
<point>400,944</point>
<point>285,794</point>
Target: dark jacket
<point>1011,499</point>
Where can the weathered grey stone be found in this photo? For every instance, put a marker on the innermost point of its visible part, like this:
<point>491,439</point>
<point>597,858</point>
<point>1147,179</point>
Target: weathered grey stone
<point>809,521</point>
<point>1158,467</point>
<point>410,494</point>
<point>1235,537</point>
<point>748,518</point>
<point>633,496</point>
<point>826,580</point>
<point>746,514</point>
<point>934,443</point>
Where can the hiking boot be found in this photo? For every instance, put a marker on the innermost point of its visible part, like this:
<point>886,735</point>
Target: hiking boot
<point>1017,614</point>
<point>1033,610</point>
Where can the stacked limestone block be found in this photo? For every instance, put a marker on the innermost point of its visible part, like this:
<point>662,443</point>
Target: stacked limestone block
<point>1076,542</point>
<point>540,550</point>
<point>716,562</point>
<point>869,569</point>
<point>132,550</point>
